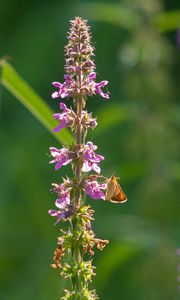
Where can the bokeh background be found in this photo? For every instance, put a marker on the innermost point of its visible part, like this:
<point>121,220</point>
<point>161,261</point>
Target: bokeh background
<point>137,51</point>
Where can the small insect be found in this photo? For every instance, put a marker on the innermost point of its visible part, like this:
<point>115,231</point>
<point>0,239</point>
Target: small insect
<point>114,193</point>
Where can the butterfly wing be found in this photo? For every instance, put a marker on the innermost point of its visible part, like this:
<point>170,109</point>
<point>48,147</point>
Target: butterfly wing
<point>119,196</point>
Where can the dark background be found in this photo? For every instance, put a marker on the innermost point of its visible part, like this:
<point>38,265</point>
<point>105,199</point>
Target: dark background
<point>138,133</point>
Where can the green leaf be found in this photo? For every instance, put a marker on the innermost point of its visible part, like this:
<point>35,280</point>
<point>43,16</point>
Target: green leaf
<point>11,80</point>
<point>168,21</point>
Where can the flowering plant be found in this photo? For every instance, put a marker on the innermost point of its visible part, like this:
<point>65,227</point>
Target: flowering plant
<point>74,251</point>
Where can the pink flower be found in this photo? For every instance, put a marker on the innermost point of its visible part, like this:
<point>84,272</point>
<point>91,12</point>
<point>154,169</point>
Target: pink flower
<point>64,156</point>
<point>87,120</point>
<point>64,118</point>
<point>61,156</point>
<point>88,66</point>
<point>98,90</point>
<point>91,159</point>
<point>61,214</point>
<point>96,87</point>
<point>92,76</point>
<point>62,202</point>
<point>63,197</point>
<point>95,189</point>
<point>68,118</point>
<point>71,88</point>
<point>63,87</point>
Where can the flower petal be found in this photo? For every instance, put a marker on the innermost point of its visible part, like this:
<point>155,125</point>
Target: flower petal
<point>57,84</point>
<point>55,95</point>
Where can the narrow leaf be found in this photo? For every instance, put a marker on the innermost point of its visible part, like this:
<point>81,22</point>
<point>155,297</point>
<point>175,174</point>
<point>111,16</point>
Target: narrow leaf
<point>11,80</point>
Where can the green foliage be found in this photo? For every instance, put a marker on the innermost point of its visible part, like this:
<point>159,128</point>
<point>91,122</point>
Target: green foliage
<point>117,254</point>
<point>138,132</point>
<point>31,100</point>
<point>168,21</point>
<point>112,13</point>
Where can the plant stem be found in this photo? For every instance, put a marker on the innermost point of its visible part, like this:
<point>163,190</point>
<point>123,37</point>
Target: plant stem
<point>78,285</point>
<point>76,253</point>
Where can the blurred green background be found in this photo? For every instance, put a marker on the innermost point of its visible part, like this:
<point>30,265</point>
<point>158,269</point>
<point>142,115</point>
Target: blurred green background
<point>138,133</point>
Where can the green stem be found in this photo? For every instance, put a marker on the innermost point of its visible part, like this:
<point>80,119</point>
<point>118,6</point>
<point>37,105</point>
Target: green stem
<point>79,135</point>
<point>78,285</point>
<point>76,253</point>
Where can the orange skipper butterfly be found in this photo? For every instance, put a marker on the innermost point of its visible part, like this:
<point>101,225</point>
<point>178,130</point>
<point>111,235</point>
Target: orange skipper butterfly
<point>114,193</point>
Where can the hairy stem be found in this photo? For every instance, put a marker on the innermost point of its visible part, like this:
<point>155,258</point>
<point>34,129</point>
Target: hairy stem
<point>76,253</point>
<point>79,113</point>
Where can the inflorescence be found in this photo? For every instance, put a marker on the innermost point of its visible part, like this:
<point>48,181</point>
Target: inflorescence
<point>75,247</point>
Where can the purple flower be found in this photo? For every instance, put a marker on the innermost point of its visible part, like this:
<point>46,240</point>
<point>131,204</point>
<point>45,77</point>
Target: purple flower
<point>65,118</point>
<point>98,90</point>
<point>96,87</point>
<point>61,214</point>
<point>95,189</point>
<point>63,87</point>
<point>63,197</point>
<point>58,214</point>
<point>62,202</point>
<point>63,194</point>
<point>92,76</point>
<point>71,88</point>
<point>62,90</point>
<point>64,156</point>
<point>87,120</point>
<point>88,66</point>
<point>61,156</point>
<point>91,159</point>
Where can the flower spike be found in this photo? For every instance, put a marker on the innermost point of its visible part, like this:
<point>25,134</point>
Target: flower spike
<point>79,240</point>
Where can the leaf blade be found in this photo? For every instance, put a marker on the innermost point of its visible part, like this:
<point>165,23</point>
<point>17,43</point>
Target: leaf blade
<point>12,81</point>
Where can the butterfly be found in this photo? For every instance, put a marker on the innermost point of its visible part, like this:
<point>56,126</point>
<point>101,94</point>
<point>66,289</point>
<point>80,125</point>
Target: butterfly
<point>114,192</point>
